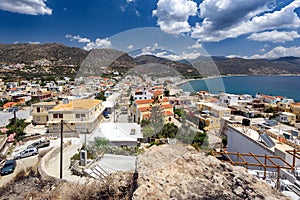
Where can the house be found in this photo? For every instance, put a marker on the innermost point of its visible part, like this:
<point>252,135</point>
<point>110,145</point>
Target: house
<point>9,105</point>
<point>141,109</point>
<point>40,112</point>
<point>228,99</point>
<point>285,105</point>
<point>211,114</point>
<point>286,117</point>
<point>79,116</point>
<point>295,109</point>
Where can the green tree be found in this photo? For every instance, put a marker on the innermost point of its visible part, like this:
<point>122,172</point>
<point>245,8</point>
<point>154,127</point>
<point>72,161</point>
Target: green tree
<point>156,117</point>
<point>100,96</point>
<point>18,128</point>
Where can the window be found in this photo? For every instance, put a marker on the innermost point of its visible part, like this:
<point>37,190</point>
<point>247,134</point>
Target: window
<point>55,115</point>
<point>61,116</point>
<point>77,116</point>
<point>38,109</point>
<point>83,115</point>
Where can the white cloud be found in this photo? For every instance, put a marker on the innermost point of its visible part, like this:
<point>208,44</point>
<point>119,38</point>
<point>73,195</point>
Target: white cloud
<point>29,7</point>
<point>130,1</point>
<point>274,36</point>
<point>35,42</point>
<point>279,51</point>
<point>150,49</point>
<point>182,56</point>
<point>233,56</point>
<point>173,15</point>
<point>232,19</point>
<point>197,45</point>
<point>98,44</point>
<point>130,47</point>
<point>77,38</point>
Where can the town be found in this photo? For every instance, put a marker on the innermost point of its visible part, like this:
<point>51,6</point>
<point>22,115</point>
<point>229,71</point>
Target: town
<point>99,124</point>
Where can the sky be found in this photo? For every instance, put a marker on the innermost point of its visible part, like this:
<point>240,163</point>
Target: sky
<point>187,28</point>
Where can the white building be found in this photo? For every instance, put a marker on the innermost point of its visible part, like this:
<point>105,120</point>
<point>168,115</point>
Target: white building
<point>228,99</point>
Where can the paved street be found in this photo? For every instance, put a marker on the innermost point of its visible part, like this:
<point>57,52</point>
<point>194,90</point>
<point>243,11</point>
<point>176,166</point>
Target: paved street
<point>5,116</point>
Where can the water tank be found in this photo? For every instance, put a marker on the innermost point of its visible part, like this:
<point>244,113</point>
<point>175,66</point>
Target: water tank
<point>246,122</point>
<point>83,158</point>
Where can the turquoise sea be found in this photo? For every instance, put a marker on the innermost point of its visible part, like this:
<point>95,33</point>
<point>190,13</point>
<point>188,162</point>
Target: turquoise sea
<point>287,86</point>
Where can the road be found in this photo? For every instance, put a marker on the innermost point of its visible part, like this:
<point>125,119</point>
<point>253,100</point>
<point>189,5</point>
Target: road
<point>22,164</point>
<point>50,163</point>
<point>21,114</point>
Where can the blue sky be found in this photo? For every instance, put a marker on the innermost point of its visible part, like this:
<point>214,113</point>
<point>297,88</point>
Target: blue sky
<point>249,29</point>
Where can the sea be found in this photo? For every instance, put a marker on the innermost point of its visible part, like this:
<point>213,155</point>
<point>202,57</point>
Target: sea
<point>286,86</point>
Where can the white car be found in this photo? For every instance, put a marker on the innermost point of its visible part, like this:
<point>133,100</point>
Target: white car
<point>26,153</point>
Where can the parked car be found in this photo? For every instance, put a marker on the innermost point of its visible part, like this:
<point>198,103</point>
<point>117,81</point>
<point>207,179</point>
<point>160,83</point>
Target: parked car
<point>39,144</point>
<point>26,153</point>
<point>8,167</point>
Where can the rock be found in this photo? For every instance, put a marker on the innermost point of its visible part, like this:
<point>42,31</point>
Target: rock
<point>177,172</point>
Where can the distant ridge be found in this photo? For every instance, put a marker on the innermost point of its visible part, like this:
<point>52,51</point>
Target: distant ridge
<point>28,53</point>
<point>61,56</point>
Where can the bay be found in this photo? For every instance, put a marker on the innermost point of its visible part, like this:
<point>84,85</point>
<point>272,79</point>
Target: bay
<point>286,86</point>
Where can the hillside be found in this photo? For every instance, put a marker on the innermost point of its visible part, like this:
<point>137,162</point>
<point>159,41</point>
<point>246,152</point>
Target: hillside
<point>163,172</point>
<point>60,60</point>
<point>27,53</point>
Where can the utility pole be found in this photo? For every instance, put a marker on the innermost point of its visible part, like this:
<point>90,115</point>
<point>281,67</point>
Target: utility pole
<point>15,120</point>
<point>87,131</point>
<point>61,148</point>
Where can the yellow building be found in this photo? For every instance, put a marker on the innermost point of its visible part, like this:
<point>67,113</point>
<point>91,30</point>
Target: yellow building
<point>211,114</point>
<point>40,112</point>
<point>80,116</point>
<point>141,109</point>
<point>295,109</point>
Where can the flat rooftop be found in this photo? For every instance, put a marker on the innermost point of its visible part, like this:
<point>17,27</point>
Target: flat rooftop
<point>116,132</point>
<point>79,104</point>
<point>254,135</point>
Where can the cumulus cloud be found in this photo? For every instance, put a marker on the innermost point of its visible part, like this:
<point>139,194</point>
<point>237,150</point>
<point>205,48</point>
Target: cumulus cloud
<point>77,38</point>
<point>233,19</point>
<point>181,56</point>
<point>29,7</point>
<point>277,52</point>
<point>98,44</point>
<point>197,45</point>
<point>274,36</point>
<point>172,15</point>
<point>34,42</point>
<point>89,44</point>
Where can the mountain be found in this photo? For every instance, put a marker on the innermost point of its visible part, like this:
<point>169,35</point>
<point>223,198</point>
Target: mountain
<point>100,59</point>
<point>28,53</point>
<point>57,59</point>
<point>183,68</point>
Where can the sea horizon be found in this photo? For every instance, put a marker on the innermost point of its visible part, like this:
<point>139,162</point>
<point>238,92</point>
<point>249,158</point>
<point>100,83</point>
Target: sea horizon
<point>273,85</point>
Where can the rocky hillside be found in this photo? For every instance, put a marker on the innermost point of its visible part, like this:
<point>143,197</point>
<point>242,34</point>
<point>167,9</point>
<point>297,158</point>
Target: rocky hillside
<point>57,59</point>
<point>206,66</point>
<point>27,53</point>
<point>163,172</point>
<point>176,172</point>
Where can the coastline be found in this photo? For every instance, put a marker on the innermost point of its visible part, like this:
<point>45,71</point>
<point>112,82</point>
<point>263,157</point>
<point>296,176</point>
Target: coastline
<point>230,75</point>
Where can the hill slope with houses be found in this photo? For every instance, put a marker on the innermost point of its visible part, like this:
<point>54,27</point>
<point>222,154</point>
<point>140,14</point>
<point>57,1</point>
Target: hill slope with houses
<point>57,59</point>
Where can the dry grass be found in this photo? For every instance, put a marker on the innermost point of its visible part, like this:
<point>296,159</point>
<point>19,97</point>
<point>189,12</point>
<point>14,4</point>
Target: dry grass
<point>116,186</point>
